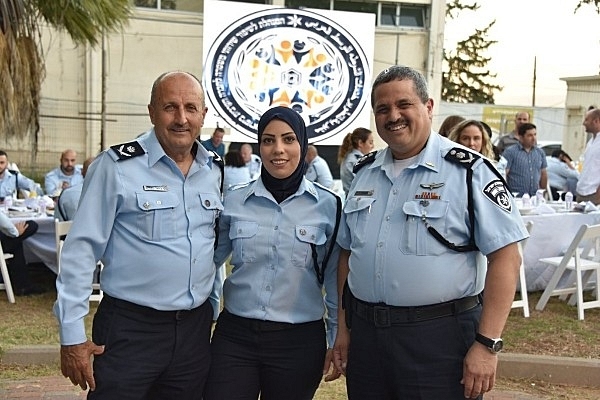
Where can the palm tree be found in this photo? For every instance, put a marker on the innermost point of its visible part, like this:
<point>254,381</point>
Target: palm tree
<point>21,55</point>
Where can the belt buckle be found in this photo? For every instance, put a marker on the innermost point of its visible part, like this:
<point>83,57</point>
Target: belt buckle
<point>381,317</point>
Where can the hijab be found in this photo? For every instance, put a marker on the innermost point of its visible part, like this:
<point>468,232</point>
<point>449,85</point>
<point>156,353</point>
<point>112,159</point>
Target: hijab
<point>281,189</point>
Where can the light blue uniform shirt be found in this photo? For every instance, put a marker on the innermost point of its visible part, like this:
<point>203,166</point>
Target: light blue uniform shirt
<point>318,171</point>
<point>273,277</point>
<point>8,184</point>
<point>254,166</point>
<point>346,174</point>
<point>54,179</point>
<point>7,227</point>
<point>152,228</point>
<point>560,175</point>
<point>235,176</point>
<point>67,202</point>
<point>394,259</point>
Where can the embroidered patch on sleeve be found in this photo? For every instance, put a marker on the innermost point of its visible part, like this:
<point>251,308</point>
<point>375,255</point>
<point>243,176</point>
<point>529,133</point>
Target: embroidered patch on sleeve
<point>497,193</point>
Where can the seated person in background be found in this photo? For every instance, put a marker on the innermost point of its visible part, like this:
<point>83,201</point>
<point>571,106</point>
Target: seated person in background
<point>235,170</point>
<point>68,174</point>
<point>67,202</point>
<point>11,181</point>
<point>526,163</point>
<point>12,237</point>
<point>562,174</point>
<point>318,170</point>
<point>253,162</point>
<point>215,143</point>
<point>450,122</point>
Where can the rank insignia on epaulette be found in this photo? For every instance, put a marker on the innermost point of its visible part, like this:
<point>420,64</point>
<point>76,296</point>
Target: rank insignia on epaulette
<point>128,150</point>
<point>462,157</point>
<point>364,160</point>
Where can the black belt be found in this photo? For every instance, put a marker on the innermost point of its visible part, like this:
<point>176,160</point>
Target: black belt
<point>382,315</point>
<point>176,315</point>
<point>259,325</point>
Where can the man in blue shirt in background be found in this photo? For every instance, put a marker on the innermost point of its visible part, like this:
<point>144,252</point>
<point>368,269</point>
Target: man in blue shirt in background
<point>215,143</point>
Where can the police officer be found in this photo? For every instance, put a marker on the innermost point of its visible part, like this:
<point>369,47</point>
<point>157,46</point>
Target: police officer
<point>253,162</point>
<point>270,340</point>
<point>318,170</point>
<point>68,174</point>
<point>147,211</point>
<point>11,180</point>
<point>355,144</point>
<point>413,232</point>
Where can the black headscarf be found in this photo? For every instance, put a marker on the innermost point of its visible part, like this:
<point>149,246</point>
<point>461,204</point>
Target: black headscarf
<point>281,189</point>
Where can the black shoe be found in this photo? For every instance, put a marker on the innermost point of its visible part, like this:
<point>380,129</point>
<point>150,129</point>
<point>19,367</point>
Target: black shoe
<point>30,291</point>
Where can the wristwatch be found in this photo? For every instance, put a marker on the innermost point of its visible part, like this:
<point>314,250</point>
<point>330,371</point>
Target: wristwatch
<point>495,345</point>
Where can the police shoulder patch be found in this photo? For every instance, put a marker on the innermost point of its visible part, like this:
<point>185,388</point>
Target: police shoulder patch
<point>364,160</point>
<point>129,150</point>
<point>497,193</point>
<point>462,157</point>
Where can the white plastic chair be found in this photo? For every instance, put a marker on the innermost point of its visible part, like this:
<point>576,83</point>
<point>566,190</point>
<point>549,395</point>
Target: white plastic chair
<point>61,229</point>
<point>581,258</point>
<point>524,301</point>
<point>7,286</point>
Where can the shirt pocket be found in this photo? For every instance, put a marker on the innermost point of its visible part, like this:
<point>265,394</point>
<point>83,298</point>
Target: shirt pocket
<point>156,218</point>
<point>357,211</point>
<point>212,206</point>
<point>305,237</point>
<point>243,241</point>
<point>416,240</point>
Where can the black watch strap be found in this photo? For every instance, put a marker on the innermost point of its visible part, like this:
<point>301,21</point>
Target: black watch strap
<point>495,345</point>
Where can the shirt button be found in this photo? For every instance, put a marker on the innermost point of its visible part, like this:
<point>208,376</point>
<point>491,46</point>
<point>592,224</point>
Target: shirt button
<point>387,218</point>
<point>268,288</point>
<point>395,191</point>
<point>272,267</point>
<point>194,261</point>
<point>276,227</point>
<point>274,248</point>
<point>207,203</point>
<point>380,244</point>
<point>262,308</point>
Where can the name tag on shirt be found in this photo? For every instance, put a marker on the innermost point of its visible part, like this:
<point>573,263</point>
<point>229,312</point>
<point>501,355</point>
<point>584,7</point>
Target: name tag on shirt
<point>156,188</point>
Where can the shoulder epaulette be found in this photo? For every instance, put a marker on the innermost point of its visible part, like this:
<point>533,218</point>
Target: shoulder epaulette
<point>320,186</point>
<point>217,159</point>
<point>364,160</point>
<point>239,186</point>
<point>462,157</point>
<point>129,150</point>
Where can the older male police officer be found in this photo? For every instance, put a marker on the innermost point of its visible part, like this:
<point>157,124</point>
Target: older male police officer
<point>416,220</point>
<point>148,211</point>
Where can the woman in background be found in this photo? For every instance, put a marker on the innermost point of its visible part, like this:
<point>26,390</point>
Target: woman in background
<point>449,123</point>
<point>355,145</point>
<point>236,171</point>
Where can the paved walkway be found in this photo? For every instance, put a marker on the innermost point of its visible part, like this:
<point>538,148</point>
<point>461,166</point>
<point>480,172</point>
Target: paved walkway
<point>59,388</point>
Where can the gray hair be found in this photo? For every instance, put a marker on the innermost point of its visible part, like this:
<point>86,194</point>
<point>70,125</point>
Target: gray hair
<point>400,73</point>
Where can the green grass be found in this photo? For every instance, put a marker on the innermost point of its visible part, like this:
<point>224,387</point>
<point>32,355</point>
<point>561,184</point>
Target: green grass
<point>554,331</point>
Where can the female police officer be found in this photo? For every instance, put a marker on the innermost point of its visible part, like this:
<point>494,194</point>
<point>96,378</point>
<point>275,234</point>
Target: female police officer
<point>270,338</point>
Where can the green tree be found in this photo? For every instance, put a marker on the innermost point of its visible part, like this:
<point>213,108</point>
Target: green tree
<point>466,77</point>
<point>595,3</point>
<point>21,55</point>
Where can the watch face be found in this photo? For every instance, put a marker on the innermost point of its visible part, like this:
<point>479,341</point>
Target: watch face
<point>498,345</point>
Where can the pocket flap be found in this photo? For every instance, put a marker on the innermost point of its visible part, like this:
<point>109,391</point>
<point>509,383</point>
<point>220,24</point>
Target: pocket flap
<point>434,208</point>
<point>150,201</point>
<point>243,229</point>
<point>310,234</point>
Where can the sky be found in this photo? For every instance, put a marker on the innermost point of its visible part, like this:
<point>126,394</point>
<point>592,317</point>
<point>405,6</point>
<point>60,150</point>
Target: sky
<point>565,45</point>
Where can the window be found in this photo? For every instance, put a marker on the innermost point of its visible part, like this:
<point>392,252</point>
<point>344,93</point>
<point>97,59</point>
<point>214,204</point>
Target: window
<point>402,15</point>
<point>180,5</point>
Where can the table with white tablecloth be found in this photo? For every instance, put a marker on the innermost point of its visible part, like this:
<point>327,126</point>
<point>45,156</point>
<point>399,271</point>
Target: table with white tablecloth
<point>41,246</point>
<point>550,237</point>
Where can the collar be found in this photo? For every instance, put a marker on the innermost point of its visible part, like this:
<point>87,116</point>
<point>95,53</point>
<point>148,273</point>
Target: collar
<point>257,188</point>
<point>430,157</point>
